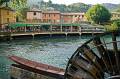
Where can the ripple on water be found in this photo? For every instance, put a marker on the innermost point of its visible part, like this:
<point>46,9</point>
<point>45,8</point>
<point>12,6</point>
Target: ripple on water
<point>53,51</point>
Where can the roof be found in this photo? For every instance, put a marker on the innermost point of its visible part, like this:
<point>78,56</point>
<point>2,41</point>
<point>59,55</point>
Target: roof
<point>15,25</point>
<point>51,11</point>
<point>35,10</point>
<point>115,12</point>
<point>72,13</point>
<point>44,11</point>
<point>69,24</point>
<point>7,8</point>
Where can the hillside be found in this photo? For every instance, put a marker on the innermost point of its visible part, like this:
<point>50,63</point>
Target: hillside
<point>117,9</point>
<point>75,7</point>
<point>110,6</point>
<point>78,7</point>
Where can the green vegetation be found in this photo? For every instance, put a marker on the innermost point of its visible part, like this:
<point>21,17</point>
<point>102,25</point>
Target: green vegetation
<point>21,13</point>
<point>118,9</point>
<point>111,7</point>
<point>75,7</point>
<point>16,25</point>
<point>114,26</point>
<point>20,8</point>
<point>78,7</point>
<point>15,2</point>
<point>3,1</point>
<point>98,14</point>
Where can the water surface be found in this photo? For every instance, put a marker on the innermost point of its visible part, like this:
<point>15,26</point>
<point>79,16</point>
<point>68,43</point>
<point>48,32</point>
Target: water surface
<point>54,51</point>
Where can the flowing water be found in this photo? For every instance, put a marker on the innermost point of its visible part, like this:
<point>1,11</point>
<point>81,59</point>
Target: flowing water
<point>54,51</point>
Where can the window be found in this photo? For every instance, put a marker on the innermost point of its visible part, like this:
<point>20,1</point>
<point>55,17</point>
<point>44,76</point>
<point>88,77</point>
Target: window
<point>7,20</point>
<point>82,15</point>
<point>49,15</point>
<point>34,13</point>
<point>45,15</point>
<point>7,12</point>
<point>118,15</point>
<point>34,18</point>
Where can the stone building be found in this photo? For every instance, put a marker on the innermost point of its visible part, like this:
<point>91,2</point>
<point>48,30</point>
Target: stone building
<point>54,17</point>
<point>34,15</point>
<point>7,15</point>
<point>72,17</point>
<point>115,15</point>
<point>51,17</point>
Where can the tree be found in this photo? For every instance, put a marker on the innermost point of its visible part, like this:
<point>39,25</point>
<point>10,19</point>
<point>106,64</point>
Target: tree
<point>98,14</point>
<point>118,10</point>
<point>3,1</point>
<point>23,12</point>
<point>15,2</point>
<point>114,26</point>
<point>50,2</point>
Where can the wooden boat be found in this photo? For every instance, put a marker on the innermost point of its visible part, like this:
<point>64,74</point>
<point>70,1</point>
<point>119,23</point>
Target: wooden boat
<point>36,67</point>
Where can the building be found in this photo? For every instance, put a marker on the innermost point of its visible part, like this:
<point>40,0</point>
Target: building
<point>54,17</point>
<point>7,15</point>
<point>51,17</point>
<point>34,15</point>
<point>115,15</point>
<point>72,17</point>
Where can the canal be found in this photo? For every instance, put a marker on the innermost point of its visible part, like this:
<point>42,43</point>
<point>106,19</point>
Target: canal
<point>54,51</point>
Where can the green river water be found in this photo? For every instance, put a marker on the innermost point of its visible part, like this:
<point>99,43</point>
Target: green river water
<point>54,51</point>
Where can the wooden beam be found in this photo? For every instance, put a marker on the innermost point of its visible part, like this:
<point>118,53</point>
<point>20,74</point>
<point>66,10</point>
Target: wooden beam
<point>115,48</point>
<point>97,42</point>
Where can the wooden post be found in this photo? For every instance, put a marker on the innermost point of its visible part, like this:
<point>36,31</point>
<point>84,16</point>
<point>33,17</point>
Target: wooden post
<point>61,27</point>
<point>33,28</point>
<point>51,28</point>
<point>33,36</point>
<point>97,42</point>
<point>115,49</point>
<point>80,30</point>
<point>25,28</point>
<point>61,21</point>
<point>11,38</point>
<point>71,28</point>
<point>10,30</point>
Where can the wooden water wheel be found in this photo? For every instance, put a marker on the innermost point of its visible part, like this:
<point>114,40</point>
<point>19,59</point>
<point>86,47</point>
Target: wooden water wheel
<point>98,58</point>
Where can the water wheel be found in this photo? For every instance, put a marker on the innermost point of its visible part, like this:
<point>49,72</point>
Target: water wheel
<point>98,58</point>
